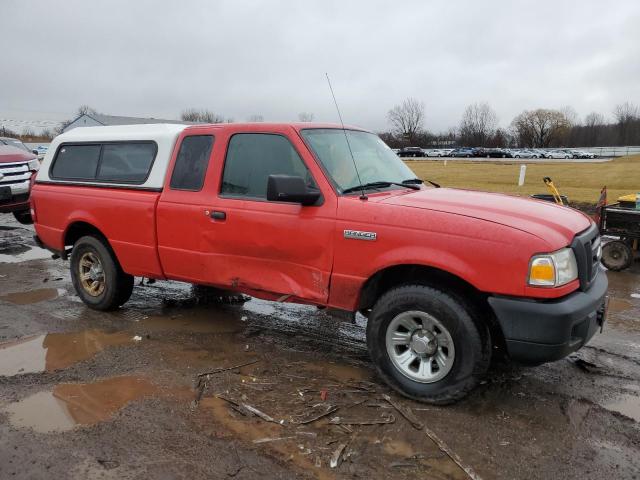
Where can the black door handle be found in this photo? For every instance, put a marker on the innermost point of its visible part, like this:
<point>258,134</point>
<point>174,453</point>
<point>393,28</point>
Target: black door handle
<point>218,215</point>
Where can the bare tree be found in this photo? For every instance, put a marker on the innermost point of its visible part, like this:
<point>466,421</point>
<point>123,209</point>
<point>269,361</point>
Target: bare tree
<point>201,116</point>
<point>407,119</point>
<point>28,132</point>
<point>593,119</point>
<point>540,128</point>
<point>85,110</point>
<point>593,124</point>
<point>478,125</point>
<point>46,133</point>
<point>570,114</point>
<point>626,114</point>
<point>256,118</point>
<point>305,117</point>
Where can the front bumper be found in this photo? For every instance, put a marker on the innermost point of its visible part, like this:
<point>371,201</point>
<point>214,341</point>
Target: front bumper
<point>17,203</point>
<point>538,331</point>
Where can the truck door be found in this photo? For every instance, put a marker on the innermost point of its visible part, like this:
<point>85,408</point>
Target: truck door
<point>282,248</point>
<point>181,222</point>
<point>231,236</point>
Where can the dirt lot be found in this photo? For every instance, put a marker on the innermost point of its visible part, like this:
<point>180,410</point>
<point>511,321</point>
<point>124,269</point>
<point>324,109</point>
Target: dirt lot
<point>581,182</point>
<point>127,395</point>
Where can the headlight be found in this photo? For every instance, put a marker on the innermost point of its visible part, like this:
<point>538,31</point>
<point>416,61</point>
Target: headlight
<point>553,269</point>
<point>34,165</point>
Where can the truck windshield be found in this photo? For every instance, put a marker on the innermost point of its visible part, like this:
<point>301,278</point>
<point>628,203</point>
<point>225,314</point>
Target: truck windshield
<point>376,162</point>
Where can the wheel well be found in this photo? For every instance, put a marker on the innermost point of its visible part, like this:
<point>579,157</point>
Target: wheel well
<point>80,229</point>
<point>397,275</point>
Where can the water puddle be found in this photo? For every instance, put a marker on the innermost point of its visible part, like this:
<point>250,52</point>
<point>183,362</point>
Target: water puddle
<point>618,305</point>
<point>71,404</point>
<point>194,321</point>
<point>33,296</point>
<point>627,405</point>
<point>23,253</point>
<point>622,284</point>
<point>55,351</point>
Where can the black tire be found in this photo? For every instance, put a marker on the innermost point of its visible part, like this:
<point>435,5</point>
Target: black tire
<point>118,285</point>
<point>617,255</point>
<point>23,217</point>
<point>470,336</point>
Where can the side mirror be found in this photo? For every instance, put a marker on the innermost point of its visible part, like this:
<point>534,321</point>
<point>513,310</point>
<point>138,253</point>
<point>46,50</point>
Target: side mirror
<point>289,188</point>
<point>35,152</point>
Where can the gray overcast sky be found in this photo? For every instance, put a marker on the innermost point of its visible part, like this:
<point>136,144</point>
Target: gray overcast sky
<point>238,58</point>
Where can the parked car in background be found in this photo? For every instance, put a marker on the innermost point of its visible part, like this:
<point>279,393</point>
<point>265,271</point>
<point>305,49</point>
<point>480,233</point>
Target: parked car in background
<point>17,173</point>
<point>493,153</point>
<point>559,154</point>
<point>41,151</point>
<point>411,152</point>
<point>461,152</point>
<point>582,154</point>
<point>525,153</point>
<point>436,152</point>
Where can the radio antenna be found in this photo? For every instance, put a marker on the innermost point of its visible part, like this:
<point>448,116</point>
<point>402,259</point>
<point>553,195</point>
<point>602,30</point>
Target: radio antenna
<point>363,195</point>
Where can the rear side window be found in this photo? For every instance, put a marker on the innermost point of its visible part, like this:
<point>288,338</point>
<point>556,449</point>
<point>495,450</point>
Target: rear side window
<point>77,162</point>
<point>191,164</point>
<point>117,162</point>
<point>252,157</point>
<point>126,162</point>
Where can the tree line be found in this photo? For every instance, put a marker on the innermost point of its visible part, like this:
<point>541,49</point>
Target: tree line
<point>478,127</point>
<point>539,128</point>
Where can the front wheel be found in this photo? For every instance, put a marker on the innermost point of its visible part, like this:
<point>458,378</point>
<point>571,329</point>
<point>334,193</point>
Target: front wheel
<point>97,276</point>
<point>428,344</point>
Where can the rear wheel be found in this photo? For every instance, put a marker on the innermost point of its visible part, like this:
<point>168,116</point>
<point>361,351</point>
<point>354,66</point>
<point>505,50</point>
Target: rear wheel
<point>97,276</point>
<point>427,344</point>
<point>617,255</point>
<point>23,217</point>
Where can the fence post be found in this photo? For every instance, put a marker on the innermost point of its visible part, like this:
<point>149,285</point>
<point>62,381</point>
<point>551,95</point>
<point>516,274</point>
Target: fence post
<point>523,172</point>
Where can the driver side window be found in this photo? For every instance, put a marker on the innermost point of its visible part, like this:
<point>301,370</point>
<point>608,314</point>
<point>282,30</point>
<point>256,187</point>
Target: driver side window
<point>252,157</point>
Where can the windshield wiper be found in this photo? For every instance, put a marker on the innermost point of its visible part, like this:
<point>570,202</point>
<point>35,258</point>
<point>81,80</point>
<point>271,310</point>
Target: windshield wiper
<point>418,181</point>
<point>379,184</point>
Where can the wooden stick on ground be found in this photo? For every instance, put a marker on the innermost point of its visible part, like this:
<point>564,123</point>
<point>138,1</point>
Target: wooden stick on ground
<point>218,370</point>
<point>451,454</point>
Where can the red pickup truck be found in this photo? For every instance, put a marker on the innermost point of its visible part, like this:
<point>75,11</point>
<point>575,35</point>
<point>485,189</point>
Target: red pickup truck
<point>315,214</point>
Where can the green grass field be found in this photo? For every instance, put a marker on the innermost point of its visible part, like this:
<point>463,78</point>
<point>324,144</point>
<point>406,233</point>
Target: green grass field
<point>581,182</point>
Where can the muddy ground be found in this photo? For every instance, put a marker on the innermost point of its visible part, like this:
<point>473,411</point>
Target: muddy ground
<point>128,394</point>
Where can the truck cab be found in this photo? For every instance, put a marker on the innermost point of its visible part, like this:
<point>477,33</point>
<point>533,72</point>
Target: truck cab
<point>329,216</point>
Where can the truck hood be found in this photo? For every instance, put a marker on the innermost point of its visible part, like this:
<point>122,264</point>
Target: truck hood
<point>552,223</point>
<point>9,154</point>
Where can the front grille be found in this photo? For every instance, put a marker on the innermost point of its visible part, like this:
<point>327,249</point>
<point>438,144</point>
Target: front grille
<point>587,249</point>
<point>11,173</point>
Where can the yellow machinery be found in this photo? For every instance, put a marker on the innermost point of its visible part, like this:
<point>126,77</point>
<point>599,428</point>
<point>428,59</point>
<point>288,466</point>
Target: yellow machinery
<point>554,191</point>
